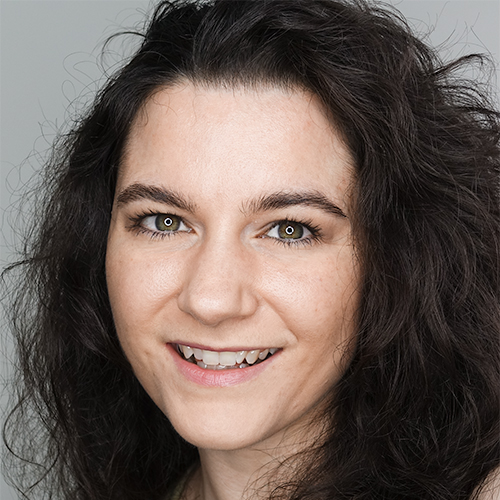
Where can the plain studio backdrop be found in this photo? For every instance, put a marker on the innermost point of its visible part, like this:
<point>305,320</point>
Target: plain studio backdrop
<point>51,65</point>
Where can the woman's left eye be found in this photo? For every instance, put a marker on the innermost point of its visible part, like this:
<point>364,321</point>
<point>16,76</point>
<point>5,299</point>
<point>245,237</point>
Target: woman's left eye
<point>290,232</point>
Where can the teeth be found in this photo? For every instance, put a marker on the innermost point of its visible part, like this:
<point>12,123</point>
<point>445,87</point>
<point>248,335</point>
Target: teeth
<point>240,356</point>
<point>211,357</point>
<point>214,360</point>
<point>252,357</point>
<point>227,358</point>
<point>188,351</point>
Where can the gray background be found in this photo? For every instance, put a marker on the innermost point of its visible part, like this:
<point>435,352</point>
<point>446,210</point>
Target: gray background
<point>50,67</point>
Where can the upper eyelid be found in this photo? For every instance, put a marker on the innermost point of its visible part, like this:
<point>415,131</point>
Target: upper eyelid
<point>291,221</point>
<point>140,216</point>
<point>149,209</point>
<point>308,224</point>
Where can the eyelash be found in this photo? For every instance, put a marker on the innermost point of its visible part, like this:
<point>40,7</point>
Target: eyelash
<point>315,233</point>
<point>137,225</point>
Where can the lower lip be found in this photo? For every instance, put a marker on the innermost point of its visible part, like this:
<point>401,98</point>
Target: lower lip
<point>216,378</point>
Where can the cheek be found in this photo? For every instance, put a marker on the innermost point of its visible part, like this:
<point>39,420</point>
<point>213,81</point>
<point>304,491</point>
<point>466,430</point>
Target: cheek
<point>139,284</point>
<point>322,295</point>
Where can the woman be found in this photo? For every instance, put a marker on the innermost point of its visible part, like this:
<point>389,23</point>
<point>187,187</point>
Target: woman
<point>269,268</point>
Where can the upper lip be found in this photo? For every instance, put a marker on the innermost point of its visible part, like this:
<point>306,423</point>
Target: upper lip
<point>222,349</point>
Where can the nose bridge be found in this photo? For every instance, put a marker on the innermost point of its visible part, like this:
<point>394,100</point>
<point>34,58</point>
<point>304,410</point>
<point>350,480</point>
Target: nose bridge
<point>217,284</point>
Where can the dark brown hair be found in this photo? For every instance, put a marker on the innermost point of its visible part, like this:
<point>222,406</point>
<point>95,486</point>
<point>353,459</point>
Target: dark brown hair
<point>416,415</point>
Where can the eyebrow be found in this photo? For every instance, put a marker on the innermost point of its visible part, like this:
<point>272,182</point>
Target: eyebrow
<point>139,191</point>
<point>285,199</point>
<point>265,203</point>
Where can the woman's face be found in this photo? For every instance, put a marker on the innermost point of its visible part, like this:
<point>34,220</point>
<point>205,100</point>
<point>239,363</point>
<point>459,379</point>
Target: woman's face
<point>230,236</point>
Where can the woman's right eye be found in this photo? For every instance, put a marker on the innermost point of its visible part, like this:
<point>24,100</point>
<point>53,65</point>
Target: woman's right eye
<point>164,224</point>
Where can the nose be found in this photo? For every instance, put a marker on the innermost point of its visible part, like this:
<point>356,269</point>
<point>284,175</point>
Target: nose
<point>218,285</point>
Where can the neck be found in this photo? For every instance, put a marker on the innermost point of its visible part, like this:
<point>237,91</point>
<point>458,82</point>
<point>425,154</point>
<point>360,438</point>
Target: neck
<point>246,473</point>
<point>235,474</point>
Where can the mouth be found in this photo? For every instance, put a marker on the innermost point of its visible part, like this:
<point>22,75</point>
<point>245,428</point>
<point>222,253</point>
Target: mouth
<point>223,360</point>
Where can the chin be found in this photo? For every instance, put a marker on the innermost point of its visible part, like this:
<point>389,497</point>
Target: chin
<point>211,436</point>
<point>221,430</point>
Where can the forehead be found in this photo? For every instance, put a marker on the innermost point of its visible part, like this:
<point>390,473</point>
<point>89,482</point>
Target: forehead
<point>265,137</point>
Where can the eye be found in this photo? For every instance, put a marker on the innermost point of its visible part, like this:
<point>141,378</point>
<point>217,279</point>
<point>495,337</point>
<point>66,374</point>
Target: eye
<point>164,223</point>
<point>292,232</point>
<point>287,230</point>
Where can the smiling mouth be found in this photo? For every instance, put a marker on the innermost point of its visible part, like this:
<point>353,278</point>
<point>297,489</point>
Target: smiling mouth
<point>224,360</point>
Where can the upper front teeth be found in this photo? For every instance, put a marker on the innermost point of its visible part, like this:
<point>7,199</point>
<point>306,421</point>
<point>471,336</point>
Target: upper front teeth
<point>225,358</point>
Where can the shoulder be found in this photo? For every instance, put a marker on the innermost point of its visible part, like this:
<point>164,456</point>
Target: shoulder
<point>491,490</point>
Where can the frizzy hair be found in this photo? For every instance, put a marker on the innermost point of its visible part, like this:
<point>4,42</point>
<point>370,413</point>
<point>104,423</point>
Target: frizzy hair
<point>416,415</point>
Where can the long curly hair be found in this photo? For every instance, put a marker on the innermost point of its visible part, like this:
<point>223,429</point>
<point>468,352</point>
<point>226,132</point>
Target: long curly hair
<point>416,414</point>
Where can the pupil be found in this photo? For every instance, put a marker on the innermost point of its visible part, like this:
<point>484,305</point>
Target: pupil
<point>291,231</point>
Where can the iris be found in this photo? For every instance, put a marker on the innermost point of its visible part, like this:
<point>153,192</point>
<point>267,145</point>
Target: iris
<point>290,230</point>
<point>167,222</point>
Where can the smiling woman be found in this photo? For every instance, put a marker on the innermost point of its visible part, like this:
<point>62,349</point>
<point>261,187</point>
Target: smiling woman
<point>234,266</point>
<point>268,268</point>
